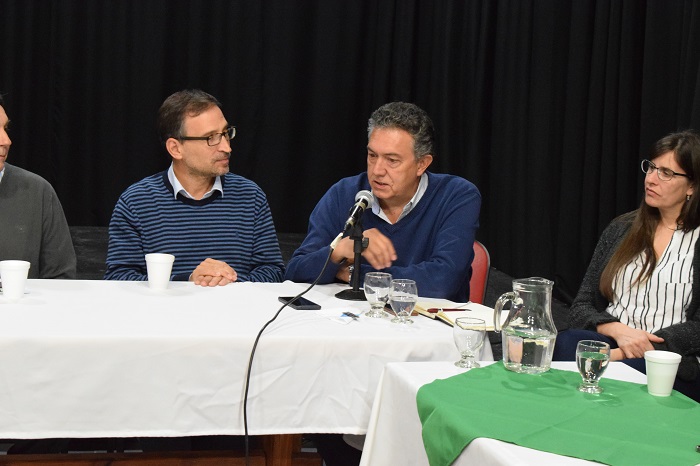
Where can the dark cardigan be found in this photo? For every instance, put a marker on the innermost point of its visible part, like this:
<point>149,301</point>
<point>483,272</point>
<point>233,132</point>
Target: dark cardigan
<point>589,308</point>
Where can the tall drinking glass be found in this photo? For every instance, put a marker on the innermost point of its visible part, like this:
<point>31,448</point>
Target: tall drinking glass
<point>592,359</point>
<point>377,286</point>
<point>403,297</point>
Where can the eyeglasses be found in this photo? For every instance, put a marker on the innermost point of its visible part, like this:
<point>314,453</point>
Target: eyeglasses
<point>215,139</point>
<point>665,174</point>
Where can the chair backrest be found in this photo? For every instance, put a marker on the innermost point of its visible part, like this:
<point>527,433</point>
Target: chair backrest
<point>480,273</point>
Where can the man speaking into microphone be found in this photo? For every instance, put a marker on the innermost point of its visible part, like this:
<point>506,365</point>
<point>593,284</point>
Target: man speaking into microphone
<point>421,225</point>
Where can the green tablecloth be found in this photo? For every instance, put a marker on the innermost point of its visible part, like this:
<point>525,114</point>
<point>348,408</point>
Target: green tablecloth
<point>623,425</point>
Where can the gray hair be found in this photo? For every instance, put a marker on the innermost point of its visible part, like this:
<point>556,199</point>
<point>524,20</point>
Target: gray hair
<point>410,118</point>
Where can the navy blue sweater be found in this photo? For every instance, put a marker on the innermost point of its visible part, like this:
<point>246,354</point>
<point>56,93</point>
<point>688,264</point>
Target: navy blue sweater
<point>434,242</point>
<point>235,228</point>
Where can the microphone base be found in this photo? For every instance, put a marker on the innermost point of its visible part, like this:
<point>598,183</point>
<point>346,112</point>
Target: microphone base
<point>351,295</point>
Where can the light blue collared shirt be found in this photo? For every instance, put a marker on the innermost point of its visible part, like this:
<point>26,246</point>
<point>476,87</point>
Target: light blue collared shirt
<point>2,173</point>
<point>422,188</point>
<point>177,187</point>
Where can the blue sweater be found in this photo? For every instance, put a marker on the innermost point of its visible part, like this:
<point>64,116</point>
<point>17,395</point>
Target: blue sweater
<point>434,242</point>
<point>235,228</point>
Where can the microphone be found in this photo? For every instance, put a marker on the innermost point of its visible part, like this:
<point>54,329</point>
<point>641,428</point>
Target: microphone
<point>363,200</point>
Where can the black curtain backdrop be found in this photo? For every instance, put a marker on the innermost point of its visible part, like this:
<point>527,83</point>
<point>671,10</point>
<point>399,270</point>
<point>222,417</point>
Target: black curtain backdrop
<point>547,106</point>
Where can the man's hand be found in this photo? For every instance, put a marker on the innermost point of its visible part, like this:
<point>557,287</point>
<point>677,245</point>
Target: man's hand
<point>380,252</point>
<point>213,273</point>
<point>344,273</point>
<point>632,342</point>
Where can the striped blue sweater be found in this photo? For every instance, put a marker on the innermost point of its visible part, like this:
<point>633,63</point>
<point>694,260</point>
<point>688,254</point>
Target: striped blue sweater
<point>235,228</point>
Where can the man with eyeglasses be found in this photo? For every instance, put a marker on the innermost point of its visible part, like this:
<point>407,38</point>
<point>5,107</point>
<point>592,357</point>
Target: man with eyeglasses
<point>217,224</point>
<point>32,224</point>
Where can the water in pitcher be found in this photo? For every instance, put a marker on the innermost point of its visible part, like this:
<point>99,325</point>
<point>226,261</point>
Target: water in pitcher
<point>528,351</point>
<point>528,334</point>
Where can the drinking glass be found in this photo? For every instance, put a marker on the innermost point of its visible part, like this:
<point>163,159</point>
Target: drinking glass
<point>377,285</point>
<point>403,297</point>
<point>469,334</point>
<point>592,359</point>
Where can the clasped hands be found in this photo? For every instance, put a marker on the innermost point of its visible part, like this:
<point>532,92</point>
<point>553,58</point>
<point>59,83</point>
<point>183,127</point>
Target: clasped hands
<point>212,272</point>
<point>380,253</point>
<point>632,342</point>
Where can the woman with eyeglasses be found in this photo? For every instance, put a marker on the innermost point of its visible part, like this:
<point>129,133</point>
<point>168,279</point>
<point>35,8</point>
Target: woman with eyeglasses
<point>642,288</point>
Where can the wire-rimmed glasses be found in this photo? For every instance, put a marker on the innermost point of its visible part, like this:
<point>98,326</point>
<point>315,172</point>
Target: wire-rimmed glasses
<point>213,139</point>
<point>665,174</point>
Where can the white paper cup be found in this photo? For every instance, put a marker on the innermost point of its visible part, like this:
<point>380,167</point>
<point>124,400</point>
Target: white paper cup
<point>13,275</point>
<point>159,267</point>
<point>661,371</point>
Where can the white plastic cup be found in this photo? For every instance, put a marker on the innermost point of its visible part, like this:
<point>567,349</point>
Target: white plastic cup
<point>661,371</point>
<point>159,267</point>
<point>13,275</point>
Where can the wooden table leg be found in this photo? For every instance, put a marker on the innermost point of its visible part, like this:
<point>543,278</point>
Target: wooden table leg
<point>285,450</point>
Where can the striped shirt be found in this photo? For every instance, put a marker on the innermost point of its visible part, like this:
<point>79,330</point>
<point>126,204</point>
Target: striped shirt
<point>236,228</point>
<point>661,300</point>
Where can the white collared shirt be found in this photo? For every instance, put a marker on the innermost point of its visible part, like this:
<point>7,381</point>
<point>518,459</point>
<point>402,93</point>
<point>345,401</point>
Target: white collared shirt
<point>422,188</point>
<point>2,173</point>
<point>177,187</point>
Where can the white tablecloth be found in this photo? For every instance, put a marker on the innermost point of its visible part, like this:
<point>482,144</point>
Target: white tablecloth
<point>394,433</point>
<point>100,358</point>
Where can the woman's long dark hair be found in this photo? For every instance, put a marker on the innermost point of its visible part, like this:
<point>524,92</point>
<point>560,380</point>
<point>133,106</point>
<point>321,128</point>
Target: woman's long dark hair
<point>685,146</point>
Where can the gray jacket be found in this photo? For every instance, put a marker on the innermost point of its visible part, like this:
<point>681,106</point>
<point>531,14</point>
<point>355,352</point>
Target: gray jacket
<point>33,227</point>
<point>589,308</point>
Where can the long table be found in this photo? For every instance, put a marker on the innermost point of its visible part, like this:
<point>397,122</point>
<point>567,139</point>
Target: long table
<point>117,359</point>
<point>394,435</point>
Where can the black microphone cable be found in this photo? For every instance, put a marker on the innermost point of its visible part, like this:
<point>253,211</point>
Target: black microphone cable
<point>257,339</point>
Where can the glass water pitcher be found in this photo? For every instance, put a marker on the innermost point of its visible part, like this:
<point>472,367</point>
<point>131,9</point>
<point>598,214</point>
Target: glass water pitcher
<point>528,334</point>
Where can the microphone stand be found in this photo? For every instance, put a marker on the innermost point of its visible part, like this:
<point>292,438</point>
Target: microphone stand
<point>359,244</point>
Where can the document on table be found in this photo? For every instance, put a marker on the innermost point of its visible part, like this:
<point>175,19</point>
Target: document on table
<point>448,314</point>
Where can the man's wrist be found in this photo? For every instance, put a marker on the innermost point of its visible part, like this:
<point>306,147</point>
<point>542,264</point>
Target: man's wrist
<point>340,261</point>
